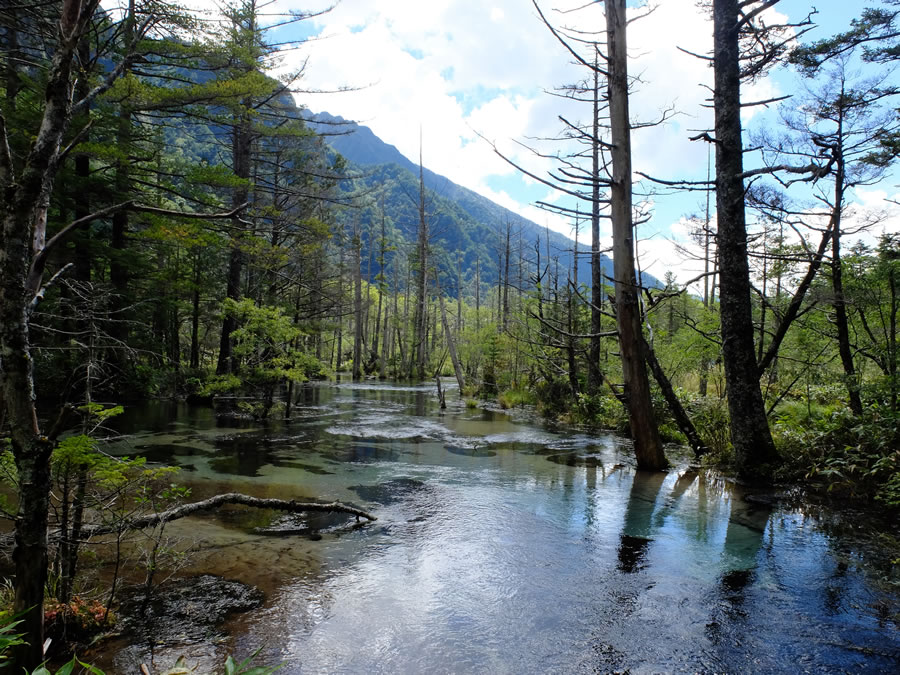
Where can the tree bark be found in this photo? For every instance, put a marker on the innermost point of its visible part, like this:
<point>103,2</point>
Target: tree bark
<point>594,377</point>
<point>22,235</point>
<point>837,274</point>
<point>647,444</point>
<point>240,149</point>
<point>421,316</point>
<point>753,446</point>
<point>357,306</point>
<point>451,345</point>
<point>682,419</point>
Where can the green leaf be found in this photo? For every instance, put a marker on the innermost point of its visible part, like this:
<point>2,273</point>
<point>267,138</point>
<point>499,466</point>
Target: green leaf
<point>67,668</point>
<point>89,668</point>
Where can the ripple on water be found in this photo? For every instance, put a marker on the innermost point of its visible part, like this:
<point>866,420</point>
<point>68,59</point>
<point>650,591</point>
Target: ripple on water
<point>510,563</point>
<point>387,426</point>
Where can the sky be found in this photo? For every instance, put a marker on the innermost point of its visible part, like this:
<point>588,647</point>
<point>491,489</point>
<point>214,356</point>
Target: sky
<point>477,73</point>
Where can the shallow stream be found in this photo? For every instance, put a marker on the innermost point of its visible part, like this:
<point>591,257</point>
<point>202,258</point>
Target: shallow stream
<point>502,546</point>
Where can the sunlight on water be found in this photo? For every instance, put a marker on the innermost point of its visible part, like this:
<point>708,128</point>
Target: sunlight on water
<point>505,547</point>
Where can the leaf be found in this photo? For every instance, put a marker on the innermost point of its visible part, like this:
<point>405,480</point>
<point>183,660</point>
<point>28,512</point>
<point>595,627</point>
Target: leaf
<point>66,668</point>
<point>180,667</point>
<point>229,666</point>
<point>89,668</point>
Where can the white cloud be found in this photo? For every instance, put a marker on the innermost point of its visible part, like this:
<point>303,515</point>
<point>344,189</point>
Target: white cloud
<point>460,68</point>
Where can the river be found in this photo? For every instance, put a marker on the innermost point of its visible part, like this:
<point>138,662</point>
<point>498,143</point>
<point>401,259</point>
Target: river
<point>503,546</point>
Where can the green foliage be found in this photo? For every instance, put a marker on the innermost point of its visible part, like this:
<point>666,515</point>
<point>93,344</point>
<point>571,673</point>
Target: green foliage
<point>8,637</point>
<point>512,398</point>
<point>855,457</point>
<point>710,417</point>
<point>68,668</point>
<point>600,410</point>
<point>266,345</point>
<point>181,667</point>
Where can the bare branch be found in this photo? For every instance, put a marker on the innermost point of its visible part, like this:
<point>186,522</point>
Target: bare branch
<point>219,500</point>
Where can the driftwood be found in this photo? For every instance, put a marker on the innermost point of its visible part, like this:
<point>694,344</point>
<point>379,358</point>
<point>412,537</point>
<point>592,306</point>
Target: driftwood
<point>220,500</point>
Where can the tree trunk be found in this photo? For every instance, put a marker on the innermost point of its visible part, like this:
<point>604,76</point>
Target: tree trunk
<point>421,317</point>
<point>22,234</point>
<point>682,419</point>
<point>753,446</point>
<point>451,345</point>
<point>647,444</point>
<point>195,314</point>
<point>837,276</point>
<point>594,377</point>
<point>240,150</point>
<point>357,306</point>
<point>478,295</point>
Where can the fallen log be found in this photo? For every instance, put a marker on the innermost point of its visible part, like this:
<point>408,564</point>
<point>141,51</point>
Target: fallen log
<point>177,512</point>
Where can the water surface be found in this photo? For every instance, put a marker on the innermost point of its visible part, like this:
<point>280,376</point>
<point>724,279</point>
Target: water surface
<point>503,546</point>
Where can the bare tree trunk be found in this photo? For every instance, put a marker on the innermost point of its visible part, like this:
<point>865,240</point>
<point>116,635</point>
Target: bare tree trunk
<point>750,435</point>
<point>195,314</point>
<point>357,305</point>
<point>451,344</point>
<point>594,378</point>
<point>505,320</point>
<point>478,295</point>
<point>837,276</point>
<point>682,419</point>
<point>570,311</point>
<point>647,444</point>
<point>22,236</point>
<point>241,147</point>
<point>421,317</point>
<point>458,293</point>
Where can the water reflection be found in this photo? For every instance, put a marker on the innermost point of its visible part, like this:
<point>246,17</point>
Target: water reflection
<point>505,546</point>
<point>636,530</point>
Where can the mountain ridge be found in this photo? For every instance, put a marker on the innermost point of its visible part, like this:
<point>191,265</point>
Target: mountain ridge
<point>364,149</point>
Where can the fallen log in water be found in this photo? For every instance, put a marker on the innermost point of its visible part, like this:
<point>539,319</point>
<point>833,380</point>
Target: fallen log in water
<point>177,512</point>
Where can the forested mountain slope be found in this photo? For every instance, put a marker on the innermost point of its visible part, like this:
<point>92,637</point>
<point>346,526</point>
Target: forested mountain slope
<point>461,220</point>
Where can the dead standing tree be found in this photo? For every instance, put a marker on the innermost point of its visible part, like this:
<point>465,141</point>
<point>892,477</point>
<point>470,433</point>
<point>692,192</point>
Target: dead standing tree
<point>613,66</point>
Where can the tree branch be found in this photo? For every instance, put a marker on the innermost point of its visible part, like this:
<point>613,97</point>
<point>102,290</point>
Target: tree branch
<point>220,500</point>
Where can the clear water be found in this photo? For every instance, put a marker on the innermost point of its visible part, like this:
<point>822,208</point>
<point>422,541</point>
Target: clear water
<point>502,546</point>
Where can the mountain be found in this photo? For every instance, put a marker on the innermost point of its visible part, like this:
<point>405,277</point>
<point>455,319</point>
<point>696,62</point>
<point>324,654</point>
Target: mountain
<point>461,220</point>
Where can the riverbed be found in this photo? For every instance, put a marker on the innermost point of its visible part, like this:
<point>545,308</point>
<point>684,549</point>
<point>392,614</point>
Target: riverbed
<point>502,545</point>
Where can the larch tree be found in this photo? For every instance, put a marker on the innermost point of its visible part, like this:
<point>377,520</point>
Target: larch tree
<point>647,444</point>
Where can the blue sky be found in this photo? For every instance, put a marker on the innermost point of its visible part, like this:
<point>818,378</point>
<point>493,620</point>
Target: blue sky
<point>467,69</point>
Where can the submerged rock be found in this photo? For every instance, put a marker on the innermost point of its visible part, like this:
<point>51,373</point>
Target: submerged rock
<point>474,451</point>
<point>389,492</point>
<point>188,610</point>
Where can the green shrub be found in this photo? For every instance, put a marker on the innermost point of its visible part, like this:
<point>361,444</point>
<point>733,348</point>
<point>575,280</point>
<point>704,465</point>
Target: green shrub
<point>710,417</point>
<point>855,457</point>
<point>553,398</point>
<point>600,410</point>
<point>515,397</point>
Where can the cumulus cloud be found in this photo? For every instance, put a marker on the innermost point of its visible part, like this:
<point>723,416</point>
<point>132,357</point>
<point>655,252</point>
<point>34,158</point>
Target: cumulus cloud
<point>467,69</point>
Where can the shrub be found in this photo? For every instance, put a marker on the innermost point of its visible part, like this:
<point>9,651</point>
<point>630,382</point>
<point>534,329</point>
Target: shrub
<point>515,397</point>
<point>852,456</point>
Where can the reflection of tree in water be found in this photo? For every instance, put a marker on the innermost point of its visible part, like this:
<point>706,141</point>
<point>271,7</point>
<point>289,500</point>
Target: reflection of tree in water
<point>635,538</point>
<point>743,540</point>
<point>642,517</point>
